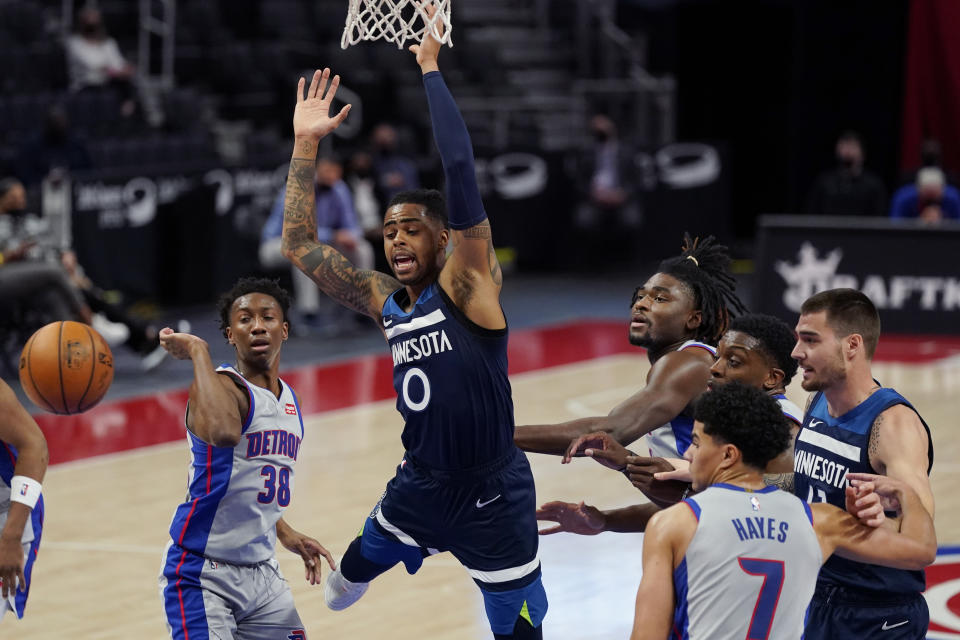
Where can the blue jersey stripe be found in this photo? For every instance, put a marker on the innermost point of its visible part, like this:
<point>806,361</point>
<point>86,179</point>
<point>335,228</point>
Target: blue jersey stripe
<point>681,617</point>
<point>211,478</point>
<point>183,595</point>
<point>296,403</point>
<point>36,521</point>
<point>682,427</point>
<point>8,462</point>
<point>690,502</point>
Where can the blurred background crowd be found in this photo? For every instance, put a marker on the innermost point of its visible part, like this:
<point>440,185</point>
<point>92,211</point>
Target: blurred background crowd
<point>143,145</point>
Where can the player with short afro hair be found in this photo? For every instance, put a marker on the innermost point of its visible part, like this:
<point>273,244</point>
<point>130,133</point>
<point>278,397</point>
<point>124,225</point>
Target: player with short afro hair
<point>747,418</point>
<point>432,201</point>
<point>776,339</point>
<point>247,285</point>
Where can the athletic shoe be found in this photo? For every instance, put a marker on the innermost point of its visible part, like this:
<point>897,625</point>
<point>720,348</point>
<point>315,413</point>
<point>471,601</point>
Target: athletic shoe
<point>158,354</point>
<point>339,593</point>
<point>113,333</point>
<point>153,359</point>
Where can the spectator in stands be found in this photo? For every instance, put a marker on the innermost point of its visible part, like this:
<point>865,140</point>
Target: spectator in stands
<point>94,61</point>
<point>55,147</point>
<point>931,155</point>
<point>929,198</point>
<point>606,174</point>
<point>364,189</point>
<point>849,189</point>
<point>393,171</point>
<point>336,225</point>
<point>36,273</point>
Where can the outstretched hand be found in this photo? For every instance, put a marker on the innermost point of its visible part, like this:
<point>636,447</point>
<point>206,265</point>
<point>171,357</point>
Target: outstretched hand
<point>574,518</point>
<point>428,50</point>
<point>311,117</point>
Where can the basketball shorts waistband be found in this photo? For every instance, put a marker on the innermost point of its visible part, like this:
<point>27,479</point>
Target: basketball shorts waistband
<point>471,474</point>
<point>219,560</point>
<point>838,594</point>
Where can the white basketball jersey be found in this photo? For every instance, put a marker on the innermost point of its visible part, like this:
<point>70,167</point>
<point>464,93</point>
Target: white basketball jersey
<point>792,412</point>
<point>236,495</point>
<point>751,567</point>
<point>672,439</point>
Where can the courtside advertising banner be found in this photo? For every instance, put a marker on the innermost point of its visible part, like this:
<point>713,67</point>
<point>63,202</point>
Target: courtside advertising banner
<point>910,270</point>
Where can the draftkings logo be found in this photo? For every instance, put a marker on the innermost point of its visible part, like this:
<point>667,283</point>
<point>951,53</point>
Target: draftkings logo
<point>943,595</point>
<point>812,273</point>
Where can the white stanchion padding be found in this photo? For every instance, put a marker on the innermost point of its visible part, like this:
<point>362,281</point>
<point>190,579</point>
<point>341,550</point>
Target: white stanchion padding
<point>396,21</point>
<point>25,490</point>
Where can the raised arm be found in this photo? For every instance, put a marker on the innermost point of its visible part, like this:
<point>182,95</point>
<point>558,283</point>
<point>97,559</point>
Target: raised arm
<point>471,275</point>
<point>217,407</point>
<point>361,290</point>
<point>675,381</point>
<point>19,430</point>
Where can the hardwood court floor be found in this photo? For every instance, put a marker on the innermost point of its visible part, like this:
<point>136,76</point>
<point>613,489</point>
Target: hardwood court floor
<point>107,519</point>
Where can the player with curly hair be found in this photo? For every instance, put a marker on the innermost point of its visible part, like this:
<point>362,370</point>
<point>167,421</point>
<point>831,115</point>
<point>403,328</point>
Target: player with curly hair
<point>755,350</point>
<point>740,559</point>
<point>220,575</point>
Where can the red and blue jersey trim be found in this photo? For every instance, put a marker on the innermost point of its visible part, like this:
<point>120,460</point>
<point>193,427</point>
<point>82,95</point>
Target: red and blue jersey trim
<point>212,468</point>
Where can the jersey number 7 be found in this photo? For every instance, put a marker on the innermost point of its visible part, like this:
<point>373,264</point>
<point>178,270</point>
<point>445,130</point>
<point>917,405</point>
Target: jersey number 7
<point>766,607</point>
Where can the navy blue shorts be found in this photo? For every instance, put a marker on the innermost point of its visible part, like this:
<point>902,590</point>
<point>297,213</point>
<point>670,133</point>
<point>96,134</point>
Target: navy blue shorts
<point>837,614</point>
<point>485,517</point>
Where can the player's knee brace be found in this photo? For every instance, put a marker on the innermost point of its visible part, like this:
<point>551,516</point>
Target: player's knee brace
<point>355,568</point>
<point>522,630</point>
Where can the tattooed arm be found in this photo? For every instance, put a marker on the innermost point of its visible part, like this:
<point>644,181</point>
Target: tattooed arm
<point>360,290</point>
<point>780,480</point>
<point>898,448</point>
<point>779,471</point>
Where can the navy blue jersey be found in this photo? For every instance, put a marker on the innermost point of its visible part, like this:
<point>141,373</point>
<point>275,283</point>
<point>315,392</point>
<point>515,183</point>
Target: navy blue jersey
<point>826,449</point>
<point>451,381</point>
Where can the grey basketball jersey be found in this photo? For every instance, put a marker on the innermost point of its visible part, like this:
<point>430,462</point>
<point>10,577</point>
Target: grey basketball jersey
<point>751,567</point>
<point>237,495</point>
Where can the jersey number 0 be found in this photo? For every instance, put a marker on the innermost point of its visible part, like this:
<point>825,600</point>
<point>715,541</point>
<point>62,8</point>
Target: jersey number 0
<point>420,405</point>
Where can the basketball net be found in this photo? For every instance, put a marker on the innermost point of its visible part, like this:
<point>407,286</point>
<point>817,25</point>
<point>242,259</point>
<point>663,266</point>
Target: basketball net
<point>395,21</point>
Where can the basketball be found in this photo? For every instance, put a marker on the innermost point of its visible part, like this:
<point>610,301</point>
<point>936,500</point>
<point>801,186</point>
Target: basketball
<point>66,367</point>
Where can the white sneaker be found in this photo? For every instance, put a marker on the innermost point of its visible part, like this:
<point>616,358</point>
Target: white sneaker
<point>339,593</point>
<point>114,333</point>
<point>156,357</point>
<point>153,359</point>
